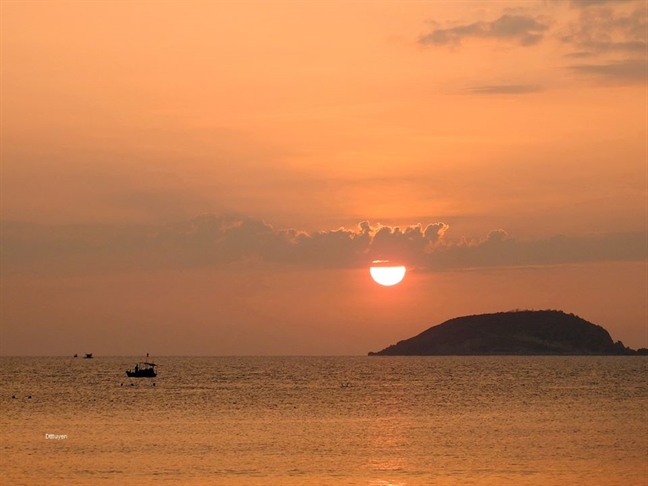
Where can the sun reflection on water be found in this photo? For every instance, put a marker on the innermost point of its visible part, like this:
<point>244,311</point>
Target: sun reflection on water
<point>389,445</point>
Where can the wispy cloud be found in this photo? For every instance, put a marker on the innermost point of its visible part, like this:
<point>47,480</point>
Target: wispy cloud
<point>520,29</point>
<point>506,89</point>
<point>606,40</point>
<point>213,240</point>
<point>598,3</point>
<point>617,72</point>
<point>606,30</point>
<point>615,39</point>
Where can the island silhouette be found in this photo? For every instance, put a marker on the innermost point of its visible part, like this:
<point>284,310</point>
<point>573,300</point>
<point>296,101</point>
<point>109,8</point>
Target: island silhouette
<point>519,332</point>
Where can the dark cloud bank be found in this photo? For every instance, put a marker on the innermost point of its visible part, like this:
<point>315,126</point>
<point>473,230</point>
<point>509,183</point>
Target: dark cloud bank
<point>212,240</point>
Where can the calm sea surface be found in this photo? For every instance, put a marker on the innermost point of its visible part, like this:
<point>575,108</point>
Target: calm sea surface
<point>289,421</point>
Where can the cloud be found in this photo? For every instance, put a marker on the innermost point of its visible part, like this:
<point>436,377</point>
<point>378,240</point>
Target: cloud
<point>633,71</point>
<point>214,240</point>
<point>606,40</point>
<point>607,30</point>
<point>598,3</point>
<point>580,55</point>
<point>506,89</point>
<point>500,251</point>
<point>615,37</point>
<point>520,29</point>
<point>496,236</point>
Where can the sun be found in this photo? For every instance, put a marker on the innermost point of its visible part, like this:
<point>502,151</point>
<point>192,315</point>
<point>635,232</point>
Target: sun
<point>385,273</point>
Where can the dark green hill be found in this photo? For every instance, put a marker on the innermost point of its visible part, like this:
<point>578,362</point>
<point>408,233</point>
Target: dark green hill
<point>547,332</point>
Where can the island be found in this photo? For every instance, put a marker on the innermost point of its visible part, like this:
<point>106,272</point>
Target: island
<point>520,332</point>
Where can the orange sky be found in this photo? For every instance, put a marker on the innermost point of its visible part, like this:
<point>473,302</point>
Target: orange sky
<point>125,123</point>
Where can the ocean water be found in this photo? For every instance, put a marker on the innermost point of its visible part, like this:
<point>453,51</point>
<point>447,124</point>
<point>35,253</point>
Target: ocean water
<point>294,421</point>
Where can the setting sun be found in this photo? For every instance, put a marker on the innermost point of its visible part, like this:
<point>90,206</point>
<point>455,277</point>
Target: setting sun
<point>385,274</point>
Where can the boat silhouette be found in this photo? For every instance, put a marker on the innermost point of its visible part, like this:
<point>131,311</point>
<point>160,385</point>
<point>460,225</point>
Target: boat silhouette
<point>142,370</point>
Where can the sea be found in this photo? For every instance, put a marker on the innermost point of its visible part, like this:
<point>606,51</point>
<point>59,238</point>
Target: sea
<point>378,421</point>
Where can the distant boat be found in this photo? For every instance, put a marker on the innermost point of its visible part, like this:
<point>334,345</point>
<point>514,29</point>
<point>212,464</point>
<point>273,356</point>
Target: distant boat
<point>76,355</point>
<point>143,370</point>
<point>88,356</point>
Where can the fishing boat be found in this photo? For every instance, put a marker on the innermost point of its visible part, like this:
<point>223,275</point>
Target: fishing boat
<point>142,370</point>
<point>88,356</point>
